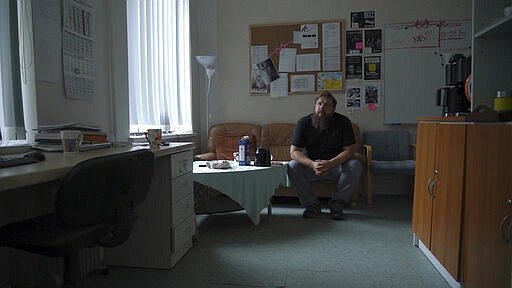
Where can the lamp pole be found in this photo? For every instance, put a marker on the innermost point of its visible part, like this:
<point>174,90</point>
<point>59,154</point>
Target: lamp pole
<point>208,63</point>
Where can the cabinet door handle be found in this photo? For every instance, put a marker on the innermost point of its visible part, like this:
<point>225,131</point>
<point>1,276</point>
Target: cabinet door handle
<point>430,185</point>
<point>434,188</point>
<point>509,232</point>
<point>505,238</point>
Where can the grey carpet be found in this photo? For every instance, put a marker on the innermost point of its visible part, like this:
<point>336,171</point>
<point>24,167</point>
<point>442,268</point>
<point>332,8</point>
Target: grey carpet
<point>371,248</point>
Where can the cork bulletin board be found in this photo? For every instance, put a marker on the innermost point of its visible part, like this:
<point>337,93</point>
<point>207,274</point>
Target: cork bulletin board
<point>297,58</point>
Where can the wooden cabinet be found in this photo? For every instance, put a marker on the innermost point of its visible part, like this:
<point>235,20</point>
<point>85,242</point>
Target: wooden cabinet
<point>488,209</point>
<point>166,220</point>
<point>491,59</point>
<point>423,201</point>
<point>438,192</point>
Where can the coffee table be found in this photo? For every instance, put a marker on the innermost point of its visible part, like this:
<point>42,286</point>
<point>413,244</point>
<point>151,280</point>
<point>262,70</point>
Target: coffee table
<point>251,187</point>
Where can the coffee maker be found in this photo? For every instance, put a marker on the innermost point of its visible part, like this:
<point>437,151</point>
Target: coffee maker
<point>452,97</point>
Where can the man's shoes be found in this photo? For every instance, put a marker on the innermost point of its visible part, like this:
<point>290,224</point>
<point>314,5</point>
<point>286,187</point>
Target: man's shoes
<point>312,211</point>
<point>337,209</point>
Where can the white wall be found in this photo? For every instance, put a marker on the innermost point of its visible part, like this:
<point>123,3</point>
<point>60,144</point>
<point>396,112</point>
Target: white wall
<point>221,28</point>
<point>52,105</point>
<point>233,99</point>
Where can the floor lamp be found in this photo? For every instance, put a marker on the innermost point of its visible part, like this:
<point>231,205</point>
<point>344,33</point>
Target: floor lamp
<point>208,63</point>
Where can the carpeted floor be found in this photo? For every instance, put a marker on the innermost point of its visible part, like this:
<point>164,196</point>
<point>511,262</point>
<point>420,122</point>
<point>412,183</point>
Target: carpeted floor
<point>371,248</point>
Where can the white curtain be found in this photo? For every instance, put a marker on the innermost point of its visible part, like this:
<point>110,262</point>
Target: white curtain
<point>159,65</point>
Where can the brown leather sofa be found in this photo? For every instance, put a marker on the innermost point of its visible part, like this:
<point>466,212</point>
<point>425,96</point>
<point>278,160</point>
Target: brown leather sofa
<point>223,139</point>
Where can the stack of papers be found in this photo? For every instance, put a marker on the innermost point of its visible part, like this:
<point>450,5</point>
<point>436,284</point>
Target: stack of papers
<point>14,147</point>
<point>68,126</point>
<point>48,137</point>
<point>58,147</point>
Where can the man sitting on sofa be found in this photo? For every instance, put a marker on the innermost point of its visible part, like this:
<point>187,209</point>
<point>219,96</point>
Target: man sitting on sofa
<point>322,148</point>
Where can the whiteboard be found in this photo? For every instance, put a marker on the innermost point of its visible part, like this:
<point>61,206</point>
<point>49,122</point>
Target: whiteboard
<point>411,82</point>
<point>414,54</point>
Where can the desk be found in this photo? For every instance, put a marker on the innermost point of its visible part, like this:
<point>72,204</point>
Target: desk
<point>162,233</point>
<point>57,164</point>
<point>250,186</point>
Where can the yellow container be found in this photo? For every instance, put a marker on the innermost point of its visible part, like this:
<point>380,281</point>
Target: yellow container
<point>503,104</point>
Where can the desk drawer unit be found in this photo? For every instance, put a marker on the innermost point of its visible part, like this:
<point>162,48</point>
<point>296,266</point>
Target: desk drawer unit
<point>181,187</point>
<point>183,233</point>
<point>181,210</point>
<point>181,163</point>
<point>166,223</point>
<point>183,220</point>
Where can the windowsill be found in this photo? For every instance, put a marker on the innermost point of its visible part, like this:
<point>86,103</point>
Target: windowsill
<point>169,137</point>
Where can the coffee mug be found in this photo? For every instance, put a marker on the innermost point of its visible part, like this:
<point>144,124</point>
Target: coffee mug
<point>154,136</point>
<point>71,140</point>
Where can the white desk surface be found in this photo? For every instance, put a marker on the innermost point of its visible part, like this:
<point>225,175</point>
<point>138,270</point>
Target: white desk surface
<point>57,164</point>
<point>250,186</point>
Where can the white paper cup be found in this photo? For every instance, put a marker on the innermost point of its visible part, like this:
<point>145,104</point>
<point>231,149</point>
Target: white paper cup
<point>71,141</point>
<point>154,136</point>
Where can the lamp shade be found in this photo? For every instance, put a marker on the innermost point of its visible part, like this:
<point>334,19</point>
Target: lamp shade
<point>206,61</point>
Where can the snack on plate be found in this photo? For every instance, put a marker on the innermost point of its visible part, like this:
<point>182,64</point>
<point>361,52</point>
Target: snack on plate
<point>219,164</point>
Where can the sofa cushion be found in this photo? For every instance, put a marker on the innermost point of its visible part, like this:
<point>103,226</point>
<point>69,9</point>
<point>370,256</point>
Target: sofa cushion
<point>402,167</point>
<point>277,137</point>
<point>233,130</point>
<point>225,146</point>
<point>388,145</point>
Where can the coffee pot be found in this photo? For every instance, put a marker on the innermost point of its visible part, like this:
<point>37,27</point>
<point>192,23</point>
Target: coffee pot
<point>262,157</point>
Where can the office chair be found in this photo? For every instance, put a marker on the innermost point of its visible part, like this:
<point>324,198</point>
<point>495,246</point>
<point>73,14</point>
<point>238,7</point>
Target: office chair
<point>94,206</point>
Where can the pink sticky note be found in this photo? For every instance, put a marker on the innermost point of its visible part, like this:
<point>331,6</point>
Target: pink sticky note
<point>372,106</point>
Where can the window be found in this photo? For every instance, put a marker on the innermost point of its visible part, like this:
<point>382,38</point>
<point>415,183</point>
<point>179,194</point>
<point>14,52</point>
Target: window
<point>11,102</point>
<point>159,65</point>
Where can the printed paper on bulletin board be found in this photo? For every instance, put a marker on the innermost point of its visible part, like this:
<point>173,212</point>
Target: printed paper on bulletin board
<point>294,58</point>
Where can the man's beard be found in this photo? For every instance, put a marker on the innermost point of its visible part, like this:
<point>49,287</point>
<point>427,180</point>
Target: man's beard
<point>321,122</point>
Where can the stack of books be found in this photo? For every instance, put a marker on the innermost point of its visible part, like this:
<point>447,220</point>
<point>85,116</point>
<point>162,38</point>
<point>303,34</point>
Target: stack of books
<point>48,136</point>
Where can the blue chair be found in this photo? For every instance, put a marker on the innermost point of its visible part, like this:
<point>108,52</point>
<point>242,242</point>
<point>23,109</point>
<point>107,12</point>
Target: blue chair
<point>390,153</point>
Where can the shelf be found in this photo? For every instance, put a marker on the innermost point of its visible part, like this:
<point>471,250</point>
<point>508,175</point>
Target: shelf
<point>500,27</point>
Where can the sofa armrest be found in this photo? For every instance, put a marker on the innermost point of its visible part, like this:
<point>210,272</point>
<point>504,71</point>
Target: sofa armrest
<point>412,151</point>
<point>367,149</point>
<point>208,156</point>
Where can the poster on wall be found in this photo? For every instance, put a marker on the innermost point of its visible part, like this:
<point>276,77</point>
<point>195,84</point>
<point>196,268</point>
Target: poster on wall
<point>373,41</point>
<point>365,19</point>
<point>257,83</point>
<point>258,54</point>
<point>354,67</point>
<point>332,81</point>
<point>353,97</point>
<point>371,93</point>
<point>372,69</point>
<point>354,42</point>
<point>268,71</point>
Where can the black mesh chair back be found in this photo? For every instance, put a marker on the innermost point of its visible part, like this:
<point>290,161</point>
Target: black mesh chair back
<point>93,191</point>
<point>94,206</point>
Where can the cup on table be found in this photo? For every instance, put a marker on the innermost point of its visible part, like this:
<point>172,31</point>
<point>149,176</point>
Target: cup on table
<point>235,156</point>
<point>154,136</point>
<point>71,140</point>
